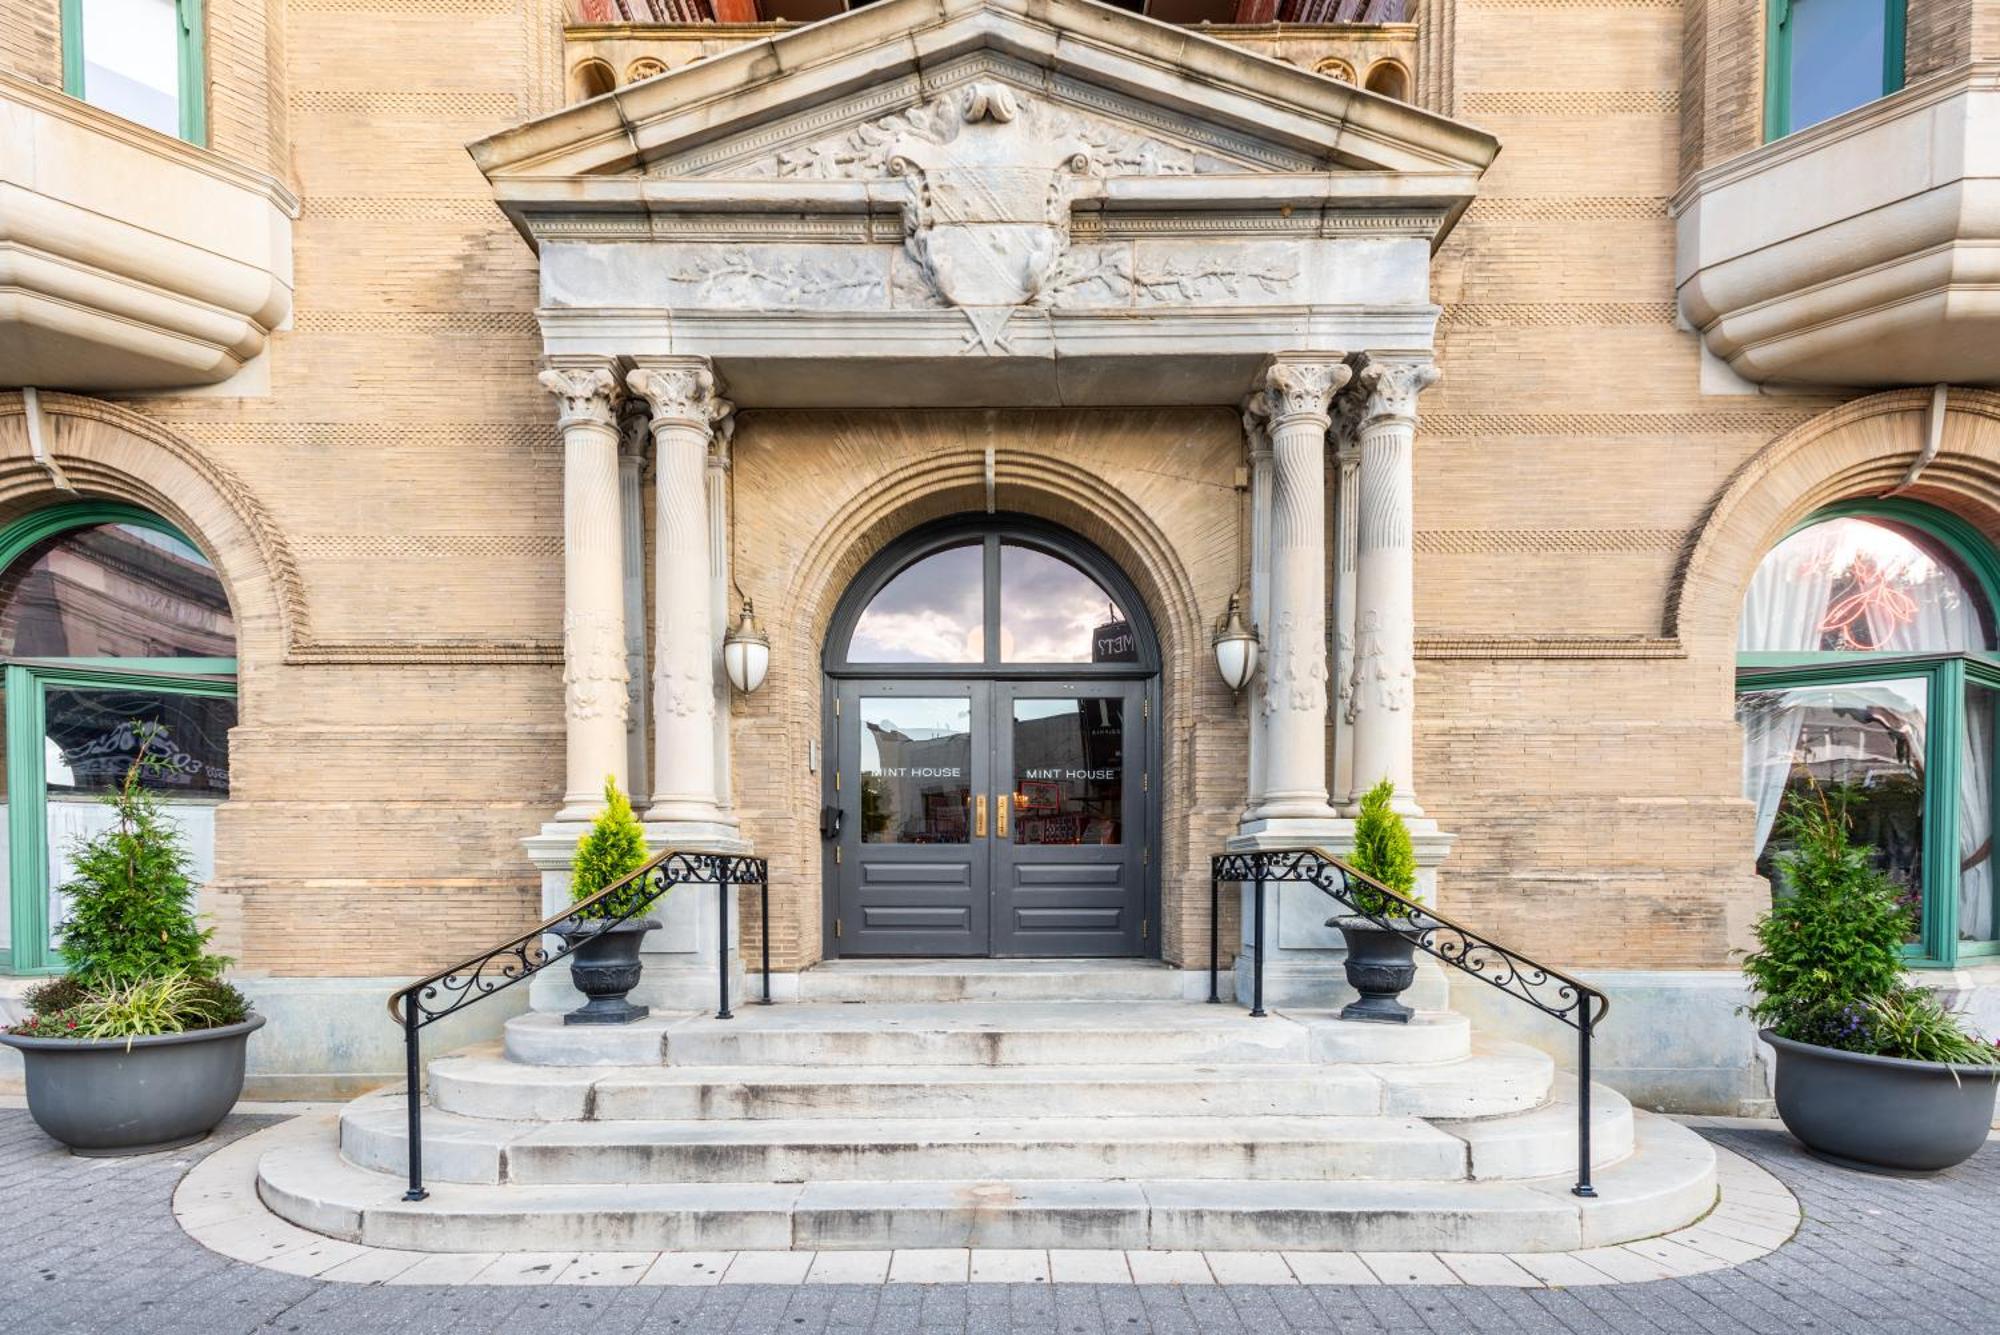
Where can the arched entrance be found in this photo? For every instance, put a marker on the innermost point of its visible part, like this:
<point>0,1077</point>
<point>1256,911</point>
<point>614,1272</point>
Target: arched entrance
<point>992,740</point>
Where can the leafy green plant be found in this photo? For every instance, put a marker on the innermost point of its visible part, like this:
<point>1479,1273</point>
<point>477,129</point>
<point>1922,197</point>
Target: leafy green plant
<point>1829,967</point>
<point>1382,849</point>
<point>614,848</point>
<point>1832,943</point>
<point>169,1004</point>
<point>1912,1023</point>
<point>131,916</point>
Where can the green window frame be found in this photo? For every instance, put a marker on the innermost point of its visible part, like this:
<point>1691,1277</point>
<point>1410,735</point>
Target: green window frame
<point>1946,676</point>
<point>27,682</point>
<point>1778,60</point>
<point>191,63</point>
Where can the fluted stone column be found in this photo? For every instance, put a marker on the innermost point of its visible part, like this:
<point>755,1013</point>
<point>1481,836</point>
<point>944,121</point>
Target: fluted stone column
<point>1346,436</point>
<point>1292,398</point>
<point>681,391</point>
<point>1257,443</point>
<point>594,669</point>
<point>1385,668</point>
<point>636,437</point>
<point>720,611</point>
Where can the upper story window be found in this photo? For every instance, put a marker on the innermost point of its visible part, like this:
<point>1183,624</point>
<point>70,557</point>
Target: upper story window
<point>1829,56</point>
<point>140,59</point>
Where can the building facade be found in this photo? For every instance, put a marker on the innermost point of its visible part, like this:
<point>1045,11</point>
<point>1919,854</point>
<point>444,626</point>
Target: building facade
<point>402,400</point>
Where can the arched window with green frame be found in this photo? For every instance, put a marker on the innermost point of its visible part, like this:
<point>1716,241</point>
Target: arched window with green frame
<point>1866,661</point>
<point>113,624</point>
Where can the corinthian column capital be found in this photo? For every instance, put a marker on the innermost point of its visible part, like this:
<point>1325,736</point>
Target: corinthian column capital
<point>585,395</point>
<point>1390,390</point>
<point>1299,386</point>
<point>682,391</point>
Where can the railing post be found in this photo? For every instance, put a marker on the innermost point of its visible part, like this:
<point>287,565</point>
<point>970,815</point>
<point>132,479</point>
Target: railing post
<point>414,1099</point>
<point>722,889</point>
<point>1214,933</point>
<point>1257,947</point>
<point>1584,1022</point>
<point>764,919</point>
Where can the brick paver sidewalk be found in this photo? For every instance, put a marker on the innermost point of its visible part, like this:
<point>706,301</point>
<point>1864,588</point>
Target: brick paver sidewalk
<point>91,1245</point>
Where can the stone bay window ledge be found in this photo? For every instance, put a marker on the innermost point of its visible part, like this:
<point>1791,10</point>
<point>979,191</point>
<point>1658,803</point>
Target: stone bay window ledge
<point>129,260</point>
<point>1864,251</point>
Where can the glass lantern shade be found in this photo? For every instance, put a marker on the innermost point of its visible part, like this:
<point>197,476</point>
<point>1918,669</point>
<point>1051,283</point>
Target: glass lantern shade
<point>746,654</point>
<point>1235,650</point>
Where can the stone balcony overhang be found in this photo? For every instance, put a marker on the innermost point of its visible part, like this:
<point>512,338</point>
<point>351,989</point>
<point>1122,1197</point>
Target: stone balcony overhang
<point>1864,251</point>
<point>996,202</point>
<point>130,261</point>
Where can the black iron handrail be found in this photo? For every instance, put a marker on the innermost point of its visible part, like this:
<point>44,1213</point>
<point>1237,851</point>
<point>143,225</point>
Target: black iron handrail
<point>1548,989</point>
<point>452,989</point>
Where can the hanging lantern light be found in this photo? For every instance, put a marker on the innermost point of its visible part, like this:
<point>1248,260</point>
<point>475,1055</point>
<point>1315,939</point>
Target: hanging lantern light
<point>1235,649</point>
<point>746,654</point>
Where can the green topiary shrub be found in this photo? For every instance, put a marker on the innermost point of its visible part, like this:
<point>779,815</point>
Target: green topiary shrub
<point>131,916</point>
<point>1382,849</point>
<point>614,848</point>
<point>1829,965</point>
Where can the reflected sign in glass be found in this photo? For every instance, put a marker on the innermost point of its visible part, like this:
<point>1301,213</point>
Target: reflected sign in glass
<point>1051,612</point>
<point>916,769</point>
<point>1069,771</point>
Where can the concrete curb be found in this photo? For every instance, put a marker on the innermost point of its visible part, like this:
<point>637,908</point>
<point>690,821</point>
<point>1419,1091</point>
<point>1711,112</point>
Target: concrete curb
<point>218,1206</point>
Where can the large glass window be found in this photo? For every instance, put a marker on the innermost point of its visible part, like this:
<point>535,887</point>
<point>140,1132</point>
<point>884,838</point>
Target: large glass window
<point>140,59</point>
<point>113,628</point>
<point>1829,56</point>
<point>1865,662</point>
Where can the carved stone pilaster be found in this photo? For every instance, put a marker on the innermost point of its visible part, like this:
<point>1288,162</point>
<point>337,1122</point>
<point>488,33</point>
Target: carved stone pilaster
<point>1292,397</point>
<point>1382,678</point>
<point>1257,450</point>
<point>595,671</point>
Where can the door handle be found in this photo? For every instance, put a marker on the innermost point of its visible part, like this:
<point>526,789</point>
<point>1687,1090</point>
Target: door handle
<point>979,816</point>
<point>1001,801</point>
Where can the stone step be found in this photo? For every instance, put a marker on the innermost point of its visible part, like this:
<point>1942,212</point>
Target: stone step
<point>458,1149</point>
<point>1075,1033</point>
<point>932,982</point>
<point>484,1084</point>
<point>1541,1142</point>
<point>1668,1181</point>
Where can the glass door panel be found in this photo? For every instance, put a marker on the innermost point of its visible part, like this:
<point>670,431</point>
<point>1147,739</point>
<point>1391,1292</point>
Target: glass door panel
<point>1069,878</point>
<point>911,797</point>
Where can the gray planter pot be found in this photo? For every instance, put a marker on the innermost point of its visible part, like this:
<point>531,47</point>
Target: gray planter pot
<point>1381,965</point>
<point>1882,1114</point>
<point>104,1097</point>
<point>605,966</point>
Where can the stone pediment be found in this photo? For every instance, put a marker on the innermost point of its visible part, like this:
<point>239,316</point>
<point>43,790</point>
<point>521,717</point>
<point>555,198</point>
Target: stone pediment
<point>1013,201</point>
<point>823,102</point>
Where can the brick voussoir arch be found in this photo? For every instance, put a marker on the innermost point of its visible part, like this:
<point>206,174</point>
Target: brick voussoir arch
<point>1860,450</point>
<point>109,452</point>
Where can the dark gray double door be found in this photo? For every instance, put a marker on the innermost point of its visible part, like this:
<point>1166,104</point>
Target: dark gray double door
<point>983,817</point>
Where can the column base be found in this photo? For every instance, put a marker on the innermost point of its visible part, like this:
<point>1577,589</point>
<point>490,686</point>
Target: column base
<point>1262,833</point>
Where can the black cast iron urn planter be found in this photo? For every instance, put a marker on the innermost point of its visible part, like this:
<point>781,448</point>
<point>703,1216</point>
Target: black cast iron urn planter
<point>1381,965</point>
<point>604,965</point>
<point>1882,1114</point>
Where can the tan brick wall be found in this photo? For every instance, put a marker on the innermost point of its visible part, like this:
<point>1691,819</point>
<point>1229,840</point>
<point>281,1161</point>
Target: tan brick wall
<point>387,768</point>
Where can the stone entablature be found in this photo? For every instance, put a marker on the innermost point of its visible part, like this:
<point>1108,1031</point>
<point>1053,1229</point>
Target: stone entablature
<point>1860,252</point>
<point>128,259</point>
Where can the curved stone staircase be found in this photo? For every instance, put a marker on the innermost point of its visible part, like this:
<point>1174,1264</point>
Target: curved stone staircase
<point>970,1111</point>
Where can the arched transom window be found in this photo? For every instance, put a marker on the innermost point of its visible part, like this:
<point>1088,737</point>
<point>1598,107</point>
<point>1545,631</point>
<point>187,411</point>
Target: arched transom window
<point>1866,664</point>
